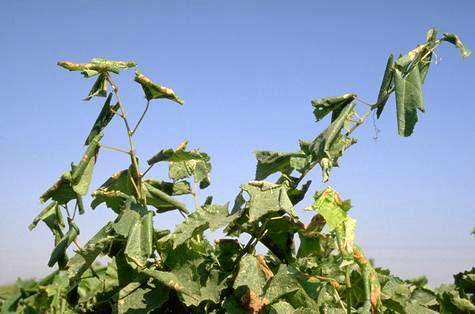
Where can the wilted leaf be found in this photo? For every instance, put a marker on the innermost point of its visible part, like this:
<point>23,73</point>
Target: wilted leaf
<point>335,151</point>
<point>408,99</point>
<point>139,241</point>
<point>155,91</point>
<point>171,188</point>
<point>333,104</point>
<point>99,89</point>
<point>207,217</point>
<point>161,200</point>
<point>96,66</point>
<point>184,164</point>
<point>253,303</point>
<point>83,259</point>
<point>51,216</point>
<point>330,144</point>
<point>114,192</point>
<point>296,195</point>
<point>270,162</point>
<point>386,86</point>
<point>331,207</point>
<point>455,40</point>
<point>60,249</point>
<point>61,191</point>
<point>103,119</point>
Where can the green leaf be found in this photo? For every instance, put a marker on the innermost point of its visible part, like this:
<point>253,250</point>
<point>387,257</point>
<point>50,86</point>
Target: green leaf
<point>61,191</point>
<point>139,242</point>
<point>171,188</point>
<point>296,195</point>
<point>184,164</point>
<point>320,147</point>
<point>51,216</point>
<point>455,40</point>
<point>75,183</point>
<point>144,299</point>
<point>177,155</point>
<point>418,309</point>
<point>250,275</point>
<point>281,307</point>
<point>189,289</point>
<point>128,218</point>
<point>333,104</point>
<point>60,250</point>
<point>83,259</point>
<point>286,285</point>
<point>266,197</point>
<point>160,200</point>
<point>114,192</point>
<point>155,91</point>
<point>103,119</point>
<point>386,86</point>
<point>451,301</point>
<point>465,281</point>
<point>84,168</point>
<point>408,99</point>
<point>207,217</point>
<point>279,238</point>
<point>269,162</point>
<point>96,66</point>
<point>227,250</point>
<point>190,275</point>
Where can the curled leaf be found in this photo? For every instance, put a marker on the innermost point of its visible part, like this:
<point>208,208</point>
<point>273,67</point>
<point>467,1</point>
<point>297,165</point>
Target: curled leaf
<point>155,91</point>
<point>455,40</point>
<point>333,104</point>
<point>103,119</point>
<point>96,66</point>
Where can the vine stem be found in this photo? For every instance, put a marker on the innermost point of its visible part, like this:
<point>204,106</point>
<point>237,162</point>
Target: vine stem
<point>133,156</point>
<point>363,102</point>
<point>147,170</point>
<point>141,117</point>
<point>120,150</point>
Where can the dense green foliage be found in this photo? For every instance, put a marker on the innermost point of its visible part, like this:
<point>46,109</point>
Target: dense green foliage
<point>306,268</point>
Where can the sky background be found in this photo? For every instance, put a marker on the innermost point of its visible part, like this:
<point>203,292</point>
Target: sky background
<point>247,71</point>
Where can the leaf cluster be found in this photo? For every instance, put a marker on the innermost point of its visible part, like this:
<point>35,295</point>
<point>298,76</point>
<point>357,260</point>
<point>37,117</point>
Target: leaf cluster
<point>313,267</point>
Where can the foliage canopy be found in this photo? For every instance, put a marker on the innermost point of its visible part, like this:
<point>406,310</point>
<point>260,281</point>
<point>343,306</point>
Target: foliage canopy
<point>307,268</point>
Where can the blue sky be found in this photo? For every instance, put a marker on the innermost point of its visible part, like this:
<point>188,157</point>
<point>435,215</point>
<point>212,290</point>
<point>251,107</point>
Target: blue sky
<point>247,71</point>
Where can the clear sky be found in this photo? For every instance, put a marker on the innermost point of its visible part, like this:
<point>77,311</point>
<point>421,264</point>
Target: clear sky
<point>247,71</point>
